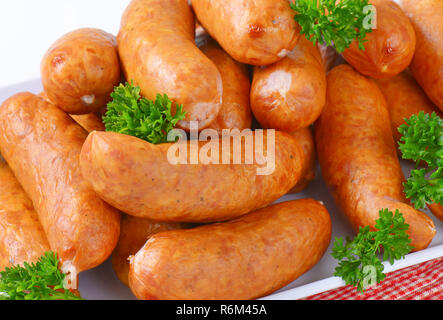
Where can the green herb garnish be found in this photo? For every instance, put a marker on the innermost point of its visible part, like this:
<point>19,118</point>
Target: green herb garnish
<point>422,142</point>
<point>129,113</point>
<point>332,23</point>
<point>359,263</point>
<point>36,281</point>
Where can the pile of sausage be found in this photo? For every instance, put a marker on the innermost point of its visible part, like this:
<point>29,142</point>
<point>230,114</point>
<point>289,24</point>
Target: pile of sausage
<point>70,187</point>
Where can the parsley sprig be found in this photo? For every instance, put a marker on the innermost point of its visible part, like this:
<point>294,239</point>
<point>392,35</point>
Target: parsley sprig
<point>359,263</point>
<point>422,142</point>
<point>129,113</point>
<point>36,281</point>
<point>332,23</point>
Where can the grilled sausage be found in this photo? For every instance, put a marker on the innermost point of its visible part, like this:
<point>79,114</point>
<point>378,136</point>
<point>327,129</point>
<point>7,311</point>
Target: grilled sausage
<point>235,112</point>
<point>243,259</point>
<point>134,175</point>
<point>404,98</point>
<point>290,94</point>
<point>389,48</point>
<point>134,234</point>
<point>260,32</point>
<point>427,66</point>
<point>306,139</point>
<point>42,145</point>
<point>89,122</point>
<point>158,53</point>
<point>80,70</point>
<point>358,157</point>
<point>22,238</point>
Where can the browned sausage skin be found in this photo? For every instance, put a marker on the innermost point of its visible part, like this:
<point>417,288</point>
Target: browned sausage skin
<point>427,66</point>
<point>358,157</point>
<point>306,139</point>
<point>22,238</point>
<point>42,145</point>
<point>134,175</point>
<point>243,259</point>
<point>390,47</point>
<point>259,32</point>
<point>133,235</point>
<point>235,112</point>
<point>404,98</point>
<point>80,70</point>
<point>290,94</point>
<point>158,53</point>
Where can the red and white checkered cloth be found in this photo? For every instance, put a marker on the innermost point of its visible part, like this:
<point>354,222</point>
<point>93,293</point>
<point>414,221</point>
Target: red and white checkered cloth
<point>420,282</point>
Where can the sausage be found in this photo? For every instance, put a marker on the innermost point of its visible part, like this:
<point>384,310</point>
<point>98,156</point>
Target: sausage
<point>22,238</point>
<point>290,94</point>
<point>427,66</point>
<point>259,33</point>
<point>437,210</point>
<point>89,122</point>
<point>306,139</point>
<point>235,112</point>
<point>134,234</point>
<point>80,70</point>
<point>404,98</point>
<point>143,180</point>
<point>358,157</point>
<point>247,258</point>
<point>389,48</point>
<point>42,144</point>
<point>158,53</point>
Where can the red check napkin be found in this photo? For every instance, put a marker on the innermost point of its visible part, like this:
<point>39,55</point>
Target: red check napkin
<point>420,282</point>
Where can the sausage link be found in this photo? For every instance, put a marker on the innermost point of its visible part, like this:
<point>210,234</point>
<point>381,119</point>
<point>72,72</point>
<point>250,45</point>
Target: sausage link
<point>358,157</point>
<point>290,94</point>
<point>247,258</point>
<point>134,176</point>
<point>235,112</point>
<point>306,139</point>
<point>22,238</point>
<point>427,66</point>
<point>389,48</point>
<point>260,32</point>
<point>158,53</point>
<point>133,235</point>
<point>80,70</point>
<point>42,145</point>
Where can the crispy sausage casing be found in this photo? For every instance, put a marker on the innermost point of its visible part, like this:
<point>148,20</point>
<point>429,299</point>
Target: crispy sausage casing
<point>80,70</point>
<point>404,98</point>
<point>235,112</point>
<point>242,259</point>
<point>390,46</point>
<point>258,32</point>
<point>306,139</point>
<point>427,66</point>
<point>134,234</point>
<point>42,145</point>
<point>22,238</point>
<point>290,94</point>
<point>157,49</point>
<point>134,176</point>
<point>358,157</point>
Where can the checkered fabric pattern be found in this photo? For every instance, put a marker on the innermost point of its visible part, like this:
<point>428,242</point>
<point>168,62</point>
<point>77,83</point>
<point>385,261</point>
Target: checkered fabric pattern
<point>420,282</point>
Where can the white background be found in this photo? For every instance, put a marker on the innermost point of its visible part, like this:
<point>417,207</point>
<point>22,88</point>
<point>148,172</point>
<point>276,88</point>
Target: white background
<point>29,27</point>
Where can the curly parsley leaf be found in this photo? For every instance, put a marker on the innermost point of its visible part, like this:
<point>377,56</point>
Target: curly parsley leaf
<point>359,264</point>
<point>422,142</point>
<point>36,281</point>
<point>333,23</point>
<point>129,113</point>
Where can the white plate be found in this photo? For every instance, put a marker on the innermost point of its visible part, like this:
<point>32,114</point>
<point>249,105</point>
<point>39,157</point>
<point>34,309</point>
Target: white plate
<point>102,283</point>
